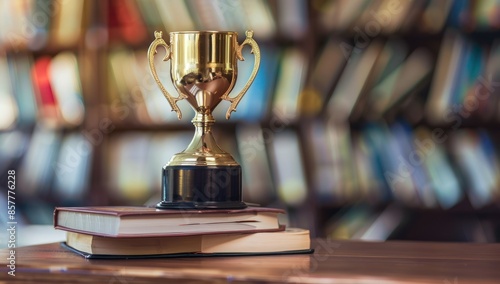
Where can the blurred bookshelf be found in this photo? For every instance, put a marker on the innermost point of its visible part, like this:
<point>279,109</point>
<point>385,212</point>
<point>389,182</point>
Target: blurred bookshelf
<point>367,120</point>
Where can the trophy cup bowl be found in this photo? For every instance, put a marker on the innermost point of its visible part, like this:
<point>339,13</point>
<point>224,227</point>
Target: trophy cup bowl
<point>203,70</point>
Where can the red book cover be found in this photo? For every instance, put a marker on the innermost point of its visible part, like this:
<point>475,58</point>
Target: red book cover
<point>46,99</point>
<point>125,22</point>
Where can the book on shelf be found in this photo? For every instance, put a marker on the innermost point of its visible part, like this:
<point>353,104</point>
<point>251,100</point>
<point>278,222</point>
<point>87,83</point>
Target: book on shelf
<point>442,177</point>
<point>285,241</point>
<point>209,15</point>
<point>459,14</point>
<point>486,91</point>
<point>257,177</point>
<point>451,50</point>
<point>403,134</point>
<point>410,76</point>
<point>19,67</point>
<point>387,156</point>
<point>331,162</point>
<point>174,14</point>
<point>130,166</point>
<point>13,144</point>
<point>36,166</point>
<point>361,222</point>
<point>64,78</point>
<point>69,19</point>
<point>293,66</point>
<point>125,22</point>
<point>48,106</point>
<point>292,18</point>
<point>434,16</point>
<point>72,168</point>
<point>355,78</point>
<point>260,18</point>
<point>338,136</point>
<point>469,70</point>
<point>151,14</point>
<point>9,111</point>
<point>339,15</point>
<point>287,167</point>
<point>324,173</point>
<point>476,157</point>
<point>130,221</point>
<point>370,184</point>
<point>323,76</point>
<point>384,77</point>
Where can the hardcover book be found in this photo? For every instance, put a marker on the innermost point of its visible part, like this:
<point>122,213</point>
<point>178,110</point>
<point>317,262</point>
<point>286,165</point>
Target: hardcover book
<point>291,240</point>
<point>119,222</point>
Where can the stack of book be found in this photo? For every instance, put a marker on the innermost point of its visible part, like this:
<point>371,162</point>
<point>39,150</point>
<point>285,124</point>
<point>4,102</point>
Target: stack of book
<point>132,232</point>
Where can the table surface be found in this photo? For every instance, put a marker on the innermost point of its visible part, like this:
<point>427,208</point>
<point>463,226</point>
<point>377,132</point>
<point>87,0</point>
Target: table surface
<point>332,262</point>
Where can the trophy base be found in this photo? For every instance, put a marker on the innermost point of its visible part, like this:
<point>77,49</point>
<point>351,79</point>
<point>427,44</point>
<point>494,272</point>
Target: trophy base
<point>201,187</point>
<point>201,205</point>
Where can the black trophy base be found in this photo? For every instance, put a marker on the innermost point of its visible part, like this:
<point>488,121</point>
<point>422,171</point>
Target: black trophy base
<point>201,187</point>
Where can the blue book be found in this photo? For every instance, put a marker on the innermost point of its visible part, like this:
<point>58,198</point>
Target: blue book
<point>457,14</point>
<point>255,103</point>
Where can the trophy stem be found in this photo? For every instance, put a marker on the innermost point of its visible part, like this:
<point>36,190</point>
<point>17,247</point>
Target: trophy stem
<point>203,142</point>
<point>203,176</point>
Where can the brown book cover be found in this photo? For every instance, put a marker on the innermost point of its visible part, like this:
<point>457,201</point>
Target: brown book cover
<point>131,221</point>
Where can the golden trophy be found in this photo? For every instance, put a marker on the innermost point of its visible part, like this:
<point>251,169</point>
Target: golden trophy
<point>203,69</point>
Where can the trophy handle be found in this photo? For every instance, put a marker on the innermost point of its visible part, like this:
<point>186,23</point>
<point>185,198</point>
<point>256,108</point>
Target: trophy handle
<point>256,51</point>
<point>151,53</point>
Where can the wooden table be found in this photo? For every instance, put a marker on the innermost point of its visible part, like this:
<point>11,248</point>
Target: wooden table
<point>332,262</point>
